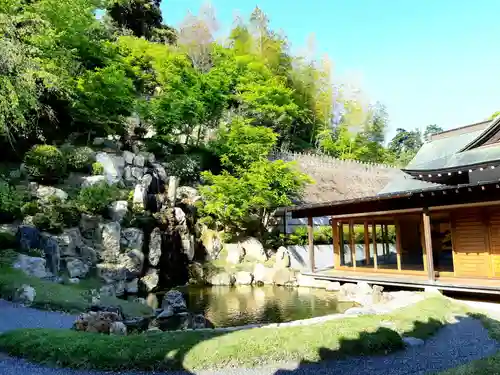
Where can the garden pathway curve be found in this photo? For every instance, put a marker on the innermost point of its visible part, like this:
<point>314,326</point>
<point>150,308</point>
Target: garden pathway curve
<point>453,345</point>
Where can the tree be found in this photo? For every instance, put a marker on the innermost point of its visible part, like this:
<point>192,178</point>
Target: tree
<point>143,18</point>
<point>405,145</point>
<point>430,130</point>
<point>494,115</point>
<point>240,144</point>
<point>238,203</point>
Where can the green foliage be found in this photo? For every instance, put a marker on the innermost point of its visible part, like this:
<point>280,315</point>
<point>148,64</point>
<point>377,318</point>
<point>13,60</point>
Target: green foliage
<point>186,167</point>
<point>78,158</point>
<point>45,163</point>
<point>53,216</point>
<point>95,199</point>
<point>11,202</point>
<point>239,144</point>
<point>97,169</point>
<point>7,240</point>
<point>234,201</point>
<point>323,235</point>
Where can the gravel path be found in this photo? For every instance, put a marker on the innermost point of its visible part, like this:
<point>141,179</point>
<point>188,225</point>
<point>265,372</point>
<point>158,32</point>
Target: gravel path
<point>453,345</point>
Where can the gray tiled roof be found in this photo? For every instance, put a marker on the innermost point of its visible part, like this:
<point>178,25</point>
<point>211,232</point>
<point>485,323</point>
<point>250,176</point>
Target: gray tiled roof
<point>404,182</point>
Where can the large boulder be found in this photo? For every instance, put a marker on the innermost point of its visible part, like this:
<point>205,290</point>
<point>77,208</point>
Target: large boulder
<point>151,279</point>
<point>211,242</point>
<point>235,253</point>
<point>90,226</point>
<point>28,237</point>
<point>243,278</point>
<point>137,173</point>
<point>110,240</point>
<point>282,258</point>
<point>50,246</point>
<point>132,238</point>
<point>139,160</point>
<point>139,197</point>
<point>173,184</point>
<point>132,287</point>
<point>253,249</point>
<point>284,277</point>
<point>96,321</point>
<point>311,282</point>
<point>180,216</point>
<point>132,261</point>
<point>187,195</point>
<point>88,181</point>
<point>118,210</point>
<point>45,193</point>
<point>111,273</point>
<point>32,266</point>
<point>113,166</point>
<point>128,157</point>
<point>222,278</point>
<point>187,242</point>
<point>175,300</point>
<point>76,268</point>
<point>70,241</point>
<point>26,295</point>
<point>263,274</point>
<point>160,171</point>
<point>155,247</point>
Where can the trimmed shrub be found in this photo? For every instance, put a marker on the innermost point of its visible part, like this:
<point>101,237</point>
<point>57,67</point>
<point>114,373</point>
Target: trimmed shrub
<point>49,220</point>
<point>53,216</point>
<point>94,200</point>
<point>11,202</point>
<point>45,163</point>
<point>186,167</point>
<point>78,158</point>
<point>97,169</point>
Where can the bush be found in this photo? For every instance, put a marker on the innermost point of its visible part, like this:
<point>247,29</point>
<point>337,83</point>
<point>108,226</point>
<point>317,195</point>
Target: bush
<point>11,202</point>
<point>186,167</point>
<point>7,240</point>
<point>55,215</point>
<point>97,169</point>
<point>94,200</point>
<point>45,163</point>
<point>78,158</point>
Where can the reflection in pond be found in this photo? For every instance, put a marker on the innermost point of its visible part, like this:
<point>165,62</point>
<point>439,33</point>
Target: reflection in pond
<point>236,306</point>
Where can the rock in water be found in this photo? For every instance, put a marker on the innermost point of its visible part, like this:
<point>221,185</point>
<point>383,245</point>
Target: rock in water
<point>76,268</point>
<point>235,253</point>
<point>282,258</point>
<point>222,278</point>
<point>32,266</point>
<point>25,295</point>
<point>118,210</point>
<point>254,249</point>
<point>243,278</point>
<point>118,329</point>
<point>175,300</point>
<point>263,274</point>
<point>110,241</point>
<point>155,247</point>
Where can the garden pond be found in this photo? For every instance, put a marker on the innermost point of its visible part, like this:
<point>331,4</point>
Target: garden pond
<point>236,306</point>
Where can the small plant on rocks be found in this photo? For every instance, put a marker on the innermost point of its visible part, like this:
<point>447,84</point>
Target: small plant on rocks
<point>45,163</point>
<point>94,200</point>
<point>97,169</point>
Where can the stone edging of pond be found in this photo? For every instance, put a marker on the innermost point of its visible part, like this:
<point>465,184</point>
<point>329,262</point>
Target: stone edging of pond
<point>353,312</point>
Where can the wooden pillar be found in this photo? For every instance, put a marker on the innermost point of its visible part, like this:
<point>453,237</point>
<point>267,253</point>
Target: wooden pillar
<point>336,244</point>
<point>422,244</point>
<point>342,250</point>
<point>426,220</point>
<point>374,240</point>
<point>367,244</point>
<point>398,244</point>
<point>311,242</point>
<point>353,245</point>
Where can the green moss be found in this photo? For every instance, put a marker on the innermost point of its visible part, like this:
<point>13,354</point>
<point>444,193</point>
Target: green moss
<point>52,296</point>
<point>248,348</point>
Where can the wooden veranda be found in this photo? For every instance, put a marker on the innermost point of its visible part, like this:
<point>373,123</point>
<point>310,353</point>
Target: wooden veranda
<point>448,238</point>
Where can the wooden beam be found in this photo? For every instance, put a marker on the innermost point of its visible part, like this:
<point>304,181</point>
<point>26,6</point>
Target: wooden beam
<point>336,243</point>
<point>398,244</point>
<point>353,245</point>
<point>374,240</point>
<point>464,205</point>
<point>311,242</point>
<point>422,243</point>
<point>377,213</point>
<point>428,245</point>
<point>342,250</point>
<point>367,244</point>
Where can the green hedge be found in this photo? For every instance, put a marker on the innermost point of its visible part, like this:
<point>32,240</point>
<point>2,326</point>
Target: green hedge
<point>323,235</point>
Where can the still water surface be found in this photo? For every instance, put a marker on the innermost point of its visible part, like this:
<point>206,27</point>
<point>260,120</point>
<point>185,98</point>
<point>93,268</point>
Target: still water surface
<point>236,306</point>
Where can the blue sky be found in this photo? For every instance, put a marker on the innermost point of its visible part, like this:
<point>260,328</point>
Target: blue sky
<point>428,61</point>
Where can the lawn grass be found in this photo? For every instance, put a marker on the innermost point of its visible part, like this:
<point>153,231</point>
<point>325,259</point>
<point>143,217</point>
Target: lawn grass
<point>489,365</point>
<point>191,350</point>
<point>53,296</point>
